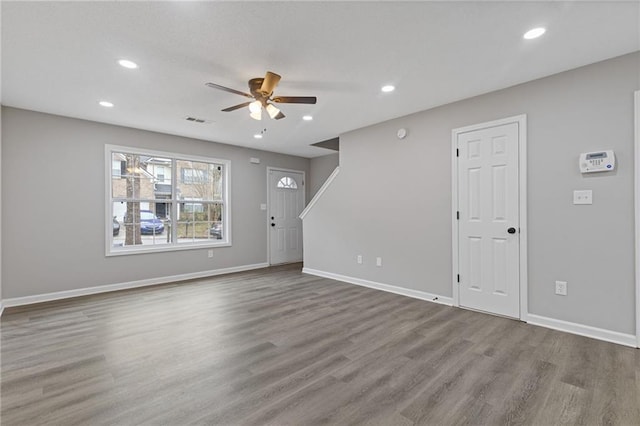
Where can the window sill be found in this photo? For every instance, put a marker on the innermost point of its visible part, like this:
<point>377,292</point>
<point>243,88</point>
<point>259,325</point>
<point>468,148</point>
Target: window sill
<point>124,251</point>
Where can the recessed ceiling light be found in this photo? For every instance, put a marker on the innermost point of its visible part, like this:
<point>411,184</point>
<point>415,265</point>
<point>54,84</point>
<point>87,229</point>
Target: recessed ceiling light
<point>106,104</point>
<point>257,136</point>
<point>307,118</point>
<point>388,88</point>
<point>534,33</point>
<point>127,64</point>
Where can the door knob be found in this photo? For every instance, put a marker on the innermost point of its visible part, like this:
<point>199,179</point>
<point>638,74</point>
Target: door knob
<point>273,224</point>
<point>511,230</point>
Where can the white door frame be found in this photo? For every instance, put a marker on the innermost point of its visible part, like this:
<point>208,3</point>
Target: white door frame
<point>268,221</point>
<point>521,120</point>
<point>636,185</point>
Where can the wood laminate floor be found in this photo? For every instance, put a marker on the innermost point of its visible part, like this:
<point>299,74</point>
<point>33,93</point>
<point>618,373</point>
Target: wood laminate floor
<point>279,347</point>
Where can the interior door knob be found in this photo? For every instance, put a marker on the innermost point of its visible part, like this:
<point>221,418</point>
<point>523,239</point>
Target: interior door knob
<point>511,230</point>
<point>273,224</point>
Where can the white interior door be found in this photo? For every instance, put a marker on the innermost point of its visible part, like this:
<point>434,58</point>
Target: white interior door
<point>488,225</point>
<point>286,201</point>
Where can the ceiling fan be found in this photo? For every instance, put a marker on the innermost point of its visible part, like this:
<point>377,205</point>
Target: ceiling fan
<point>261,91</point>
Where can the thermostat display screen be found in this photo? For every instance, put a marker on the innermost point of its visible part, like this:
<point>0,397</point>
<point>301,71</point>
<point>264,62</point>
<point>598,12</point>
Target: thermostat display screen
<point>596,155</point>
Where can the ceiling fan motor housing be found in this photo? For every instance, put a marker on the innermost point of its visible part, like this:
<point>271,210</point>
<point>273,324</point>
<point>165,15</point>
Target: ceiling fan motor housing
<point>254,87</point>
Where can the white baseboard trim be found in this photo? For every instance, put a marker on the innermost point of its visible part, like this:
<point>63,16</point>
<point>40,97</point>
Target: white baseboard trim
<point>48,297</point>
<point>583,330</point>
<point>568,327</point>
<point>384,287</point>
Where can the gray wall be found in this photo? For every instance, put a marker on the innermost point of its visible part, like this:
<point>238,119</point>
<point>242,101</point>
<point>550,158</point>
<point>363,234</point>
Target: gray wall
<point>53,205</point>
<point>392,197</point>
<point>319,170</point>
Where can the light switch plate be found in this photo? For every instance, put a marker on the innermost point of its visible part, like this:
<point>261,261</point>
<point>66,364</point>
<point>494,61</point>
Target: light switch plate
<point>584,196</point>
<point>263,206</point>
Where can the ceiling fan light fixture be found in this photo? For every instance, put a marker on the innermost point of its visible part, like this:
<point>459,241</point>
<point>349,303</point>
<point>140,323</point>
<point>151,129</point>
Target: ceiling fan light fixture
<point>272,110</point>
<point>255,106</point>
<point>388,88</point>
<point>261,90</point>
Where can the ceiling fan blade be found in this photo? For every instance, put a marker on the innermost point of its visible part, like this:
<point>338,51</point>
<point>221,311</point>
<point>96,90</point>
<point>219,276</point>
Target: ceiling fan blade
<point>269,83</point>
<point>295,99</point>
<point>279,116</point>
<point>226,89</point>
<point>235,107</point>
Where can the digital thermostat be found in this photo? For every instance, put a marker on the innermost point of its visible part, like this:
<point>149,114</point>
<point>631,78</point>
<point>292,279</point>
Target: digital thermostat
<point>601,161</point>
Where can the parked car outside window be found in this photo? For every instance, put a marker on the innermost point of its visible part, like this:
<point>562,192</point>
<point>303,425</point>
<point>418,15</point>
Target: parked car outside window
<point>116,227</point>
<point>216,231</point>
<point>150,224</point>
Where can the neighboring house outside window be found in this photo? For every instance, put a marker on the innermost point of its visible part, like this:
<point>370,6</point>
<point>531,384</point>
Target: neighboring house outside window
<point>148,210</point>
<point>193,176</point>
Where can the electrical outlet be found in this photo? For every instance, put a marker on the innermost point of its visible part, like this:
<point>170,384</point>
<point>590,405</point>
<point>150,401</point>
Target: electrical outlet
<point>583,197</point>
<point>561,288</point>
<point>378,261</point>
<point>359,259</point>
<point>210,253</point>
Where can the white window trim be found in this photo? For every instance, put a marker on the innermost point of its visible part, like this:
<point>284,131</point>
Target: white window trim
<point>226,201</point>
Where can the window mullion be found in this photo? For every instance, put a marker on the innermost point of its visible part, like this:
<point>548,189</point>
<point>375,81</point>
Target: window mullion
<point>174,201</point>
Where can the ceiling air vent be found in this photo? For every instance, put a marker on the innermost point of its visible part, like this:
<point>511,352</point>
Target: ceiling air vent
<point>197,120</point>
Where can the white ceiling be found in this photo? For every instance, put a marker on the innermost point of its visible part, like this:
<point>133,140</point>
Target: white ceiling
<point>60,58</point>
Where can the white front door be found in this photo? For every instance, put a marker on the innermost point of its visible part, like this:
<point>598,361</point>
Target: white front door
<point>286,201</point>
<point>488,224</point>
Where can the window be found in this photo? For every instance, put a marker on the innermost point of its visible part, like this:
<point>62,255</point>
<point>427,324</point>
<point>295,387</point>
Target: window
<point>159,172</point>
<point>148,210</point>
<point>287,183</point>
